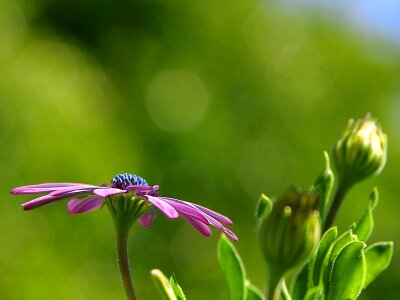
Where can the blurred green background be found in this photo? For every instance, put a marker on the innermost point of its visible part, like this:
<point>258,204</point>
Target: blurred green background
<point>215,101</point>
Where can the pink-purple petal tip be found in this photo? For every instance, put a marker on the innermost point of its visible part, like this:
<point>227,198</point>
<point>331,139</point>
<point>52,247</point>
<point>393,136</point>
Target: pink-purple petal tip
<point>230,234</point>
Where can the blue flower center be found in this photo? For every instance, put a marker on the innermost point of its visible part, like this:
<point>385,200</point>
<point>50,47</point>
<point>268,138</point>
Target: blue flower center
<point>123,180</point>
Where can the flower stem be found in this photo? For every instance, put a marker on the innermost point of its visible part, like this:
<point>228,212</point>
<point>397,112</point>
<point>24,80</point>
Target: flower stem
<point>274,285</point>
<point>341,193</point>
<point>123,262</point>
<point>125,211</point>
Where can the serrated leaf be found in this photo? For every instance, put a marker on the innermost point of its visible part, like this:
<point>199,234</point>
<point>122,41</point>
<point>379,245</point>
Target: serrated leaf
<point>233,269</point>
<point>348,272</point>
<point>365,225</point>
<point>264,207</point>
<point>317,262</point>
<point>177,288</point>
<point>253,292</point>
<point>377,257</point>
<point>323,185</point>
<point>163,285</point>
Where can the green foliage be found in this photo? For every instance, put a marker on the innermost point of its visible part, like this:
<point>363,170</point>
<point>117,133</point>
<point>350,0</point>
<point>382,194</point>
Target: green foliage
<point>291,231</point>
<point>285,295</point>
<point>235,273</point>
<point>301,284</point>
<point>323,185</point>
<point>314,293</point>
<point>340,267</point>
<point>343,266</point>
<point>365,225</point>
<point>378,257</point>
<point>169,289</point>
<point>176,288</point>
<point>263,209</point>
<point>329,261</point>
<point>233,268</point>
<point>347,273</point>
<point>253,292</point>
<point>325,246</point>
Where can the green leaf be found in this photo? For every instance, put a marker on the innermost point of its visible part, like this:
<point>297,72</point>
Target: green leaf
<point>365,225</point>
<point>312,273</point>
<point>333,252</point>
<point>177,288</point>
<point>233,269</point>
<point>323,185</point>
<point>163,285</point>
<point>378,257</point>
<point>348,273</point>
<point>314,293</point>
<point>264,207</point>
<point>317,262</point>
<point>253,292</point>
<point>301,284</point>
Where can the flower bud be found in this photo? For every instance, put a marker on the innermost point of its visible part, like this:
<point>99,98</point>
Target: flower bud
<point>291,231</point>
<point>361,151</point>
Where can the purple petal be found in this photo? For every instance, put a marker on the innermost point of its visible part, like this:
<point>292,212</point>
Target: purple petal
<point>40,201</point>
<point>162,205</point>
<point>142,188</point>
<point>217,224</point>
<point>79,206</point>
<point>201,227</point>
<point>106,192</point>
<point>215,215</point>
<point>188,210</point>
<point>220,227</point>
<point>210,212</point>
<point>42,188</point>
<point>47,199</point>
<point>79,188</point>
<point>148,218</point>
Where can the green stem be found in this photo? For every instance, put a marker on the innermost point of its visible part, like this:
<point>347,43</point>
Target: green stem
<point>274,285</point>
<point>341,193</point>
<point>285,291</point>
<point>123,262</point>
<point>125,211</point>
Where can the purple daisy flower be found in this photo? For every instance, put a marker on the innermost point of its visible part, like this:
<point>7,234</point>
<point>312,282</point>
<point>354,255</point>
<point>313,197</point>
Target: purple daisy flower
<point>85,198</point>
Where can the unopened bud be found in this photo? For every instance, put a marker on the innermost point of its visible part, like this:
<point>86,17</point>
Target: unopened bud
<point>361,151</point>
<point>291,231</point>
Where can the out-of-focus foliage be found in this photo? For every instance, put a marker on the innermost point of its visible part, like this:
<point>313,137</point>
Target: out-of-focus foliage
<point>216,101</point>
